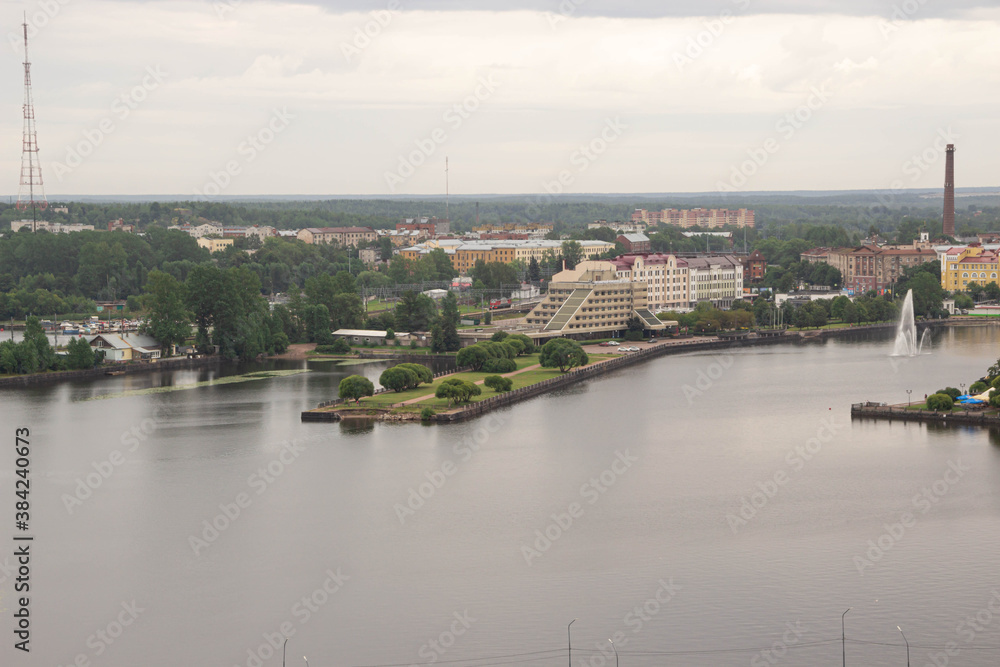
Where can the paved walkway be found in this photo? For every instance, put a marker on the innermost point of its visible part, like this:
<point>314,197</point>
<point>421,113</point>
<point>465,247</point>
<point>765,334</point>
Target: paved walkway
<point>418,399</point>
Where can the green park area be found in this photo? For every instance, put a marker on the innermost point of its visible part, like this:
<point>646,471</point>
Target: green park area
<point>414,400</point>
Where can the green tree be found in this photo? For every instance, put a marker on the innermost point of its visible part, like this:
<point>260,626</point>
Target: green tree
<point>527,344</point>
<point>473,357</point>
<point>498,384</point>
<point>572,253</point>
<point>168,321</point>
<point>424,374</point>
<point>457,391</point>
<point>398,379</point>
<point>496,365</point>
<point>356,387</point>
<point>34,337</point>
<point>534,270</point>
<point>450,319</point>
<point>79,354</point>
<point>563,353</point>
<point>415,312</point>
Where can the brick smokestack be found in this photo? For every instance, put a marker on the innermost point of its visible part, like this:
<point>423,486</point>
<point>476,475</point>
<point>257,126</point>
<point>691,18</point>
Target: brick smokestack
<point>949,192</point>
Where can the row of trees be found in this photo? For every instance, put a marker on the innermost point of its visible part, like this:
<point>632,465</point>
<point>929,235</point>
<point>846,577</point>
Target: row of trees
<point>35,354</point>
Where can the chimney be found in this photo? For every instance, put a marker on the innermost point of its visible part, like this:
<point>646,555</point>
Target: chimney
<point>949,192</point>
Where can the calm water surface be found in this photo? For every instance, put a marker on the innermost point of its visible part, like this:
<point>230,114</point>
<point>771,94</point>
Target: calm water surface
<point>775,422</point>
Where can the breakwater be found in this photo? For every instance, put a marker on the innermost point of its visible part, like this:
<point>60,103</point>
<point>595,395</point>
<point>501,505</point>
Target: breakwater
<point>881,411</point>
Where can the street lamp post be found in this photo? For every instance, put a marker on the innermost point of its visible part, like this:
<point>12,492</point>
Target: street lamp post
<point>307,660</point>
<point>283,645</point>
<point>908,404</point>
<point>843,635</point>
<point>616,652</point>
<point>907,646</point>
<point>569,643</point>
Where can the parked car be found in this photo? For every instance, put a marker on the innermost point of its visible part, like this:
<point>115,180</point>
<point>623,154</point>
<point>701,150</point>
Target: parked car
<point>633,349</point>
<point>609,343</point>
<point>623,349</point>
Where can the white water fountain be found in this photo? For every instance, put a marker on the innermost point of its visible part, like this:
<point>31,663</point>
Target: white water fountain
<point>906,343</point>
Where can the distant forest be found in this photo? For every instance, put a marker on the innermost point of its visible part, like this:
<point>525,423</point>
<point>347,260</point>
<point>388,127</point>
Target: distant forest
<point>856,213</point>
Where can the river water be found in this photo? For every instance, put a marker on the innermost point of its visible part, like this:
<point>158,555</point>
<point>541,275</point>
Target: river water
<point>699,508</point>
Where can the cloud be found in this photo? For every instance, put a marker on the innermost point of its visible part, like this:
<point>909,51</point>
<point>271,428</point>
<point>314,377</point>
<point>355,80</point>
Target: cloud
<point>696,98</point>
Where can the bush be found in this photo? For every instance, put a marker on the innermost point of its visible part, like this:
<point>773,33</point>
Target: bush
<point>950,391</point>
<point>457,391</point>
<point>498,384</point>
<point>978,388</point>
<point>564,354</point>
<point>473,356</point>
<point>499,337</point>
<point>488,318</point>
<point>413,344</point>
<point>426,414</point>
<point>633,335</point>
<point>500,366</point>
<point>940,402</point>
<point>338,346</point>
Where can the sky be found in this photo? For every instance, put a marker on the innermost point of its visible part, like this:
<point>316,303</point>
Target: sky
<point>217,98</point>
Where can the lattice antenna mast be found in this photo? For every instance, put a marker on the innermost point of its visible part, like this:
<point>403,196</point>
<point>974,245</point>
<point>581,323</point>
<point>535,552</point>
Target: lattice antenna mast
<point>32,191</point>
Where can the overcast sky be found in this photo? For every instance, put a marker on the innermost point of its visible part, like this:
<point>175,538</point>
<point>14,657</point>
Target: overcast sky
<point>580,95</point>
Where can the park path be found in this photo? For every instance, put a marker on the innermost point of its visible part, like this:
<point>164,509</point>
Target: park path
<point>418,399</point>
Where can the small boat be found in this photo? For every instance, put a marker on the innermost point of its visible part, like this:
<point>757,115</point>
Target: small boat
<point>114,372</point>
<point>70,329</point>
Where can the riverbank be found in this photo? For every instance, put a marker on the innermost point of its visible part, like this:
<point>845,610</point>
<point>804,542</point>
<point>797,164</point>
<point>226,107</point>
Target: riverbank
<point>881,411</point>
<point>337,410</point>
<point>117,369</point>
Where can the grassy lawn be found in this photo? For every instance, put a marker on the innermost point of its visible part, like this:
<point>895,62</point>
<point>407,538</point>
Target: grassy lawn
<point>520,380</point>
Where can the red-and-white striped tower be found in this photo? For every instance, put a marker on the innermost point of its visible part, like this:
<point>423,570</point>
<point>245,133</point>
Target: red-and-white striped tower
<point>32,191</point>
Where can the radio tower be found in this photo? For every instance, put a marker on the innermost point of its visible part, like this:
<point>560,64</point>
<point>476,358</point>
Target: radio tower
<point>32,192</point>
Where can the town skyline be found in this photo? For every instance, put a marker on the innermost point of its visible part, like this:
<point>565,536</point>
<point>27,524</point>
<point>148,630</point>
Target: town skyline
<point>275,98</point>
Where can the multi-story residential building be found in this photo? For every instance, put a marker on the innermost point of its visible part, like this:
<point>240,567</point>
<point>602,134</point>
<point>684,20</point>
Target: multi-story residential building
<point>754,267</point>
<point>534,230</point>
<point>215,245</point>
<point>591,300</point>
<point>200,231</point>
<point>342,236</point>
<point>51,227</point>
<point>718,280</point>
<point>699,217</point>
<point>620,227</point>
<point>635,242</point>
<point>119,225</point>
<point>666,278</point>
<point>972,264</point>
<point>871,267</point>
<point>430,226</point>
<point>259,232</point>
<point>465,254</point>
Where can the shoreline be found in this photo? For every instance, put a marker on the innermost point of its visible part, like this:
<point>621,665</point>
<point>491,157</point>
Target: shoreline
<point>661,348</point>
<point>880,412</point>
<point>104,370</point>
